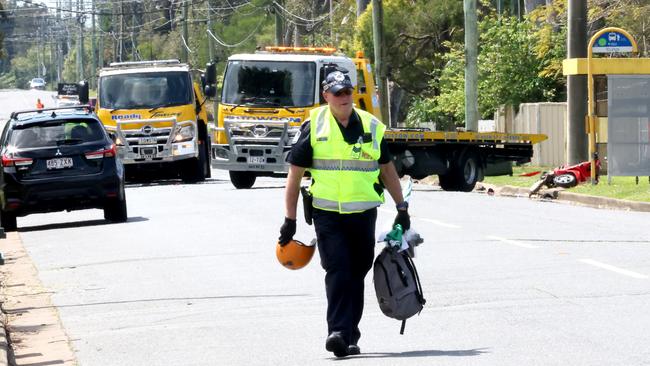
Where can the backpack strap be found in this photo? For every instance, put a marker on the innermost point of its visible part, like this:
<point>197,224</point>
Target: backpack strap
<point>401,330</point>
<point>418,285</point>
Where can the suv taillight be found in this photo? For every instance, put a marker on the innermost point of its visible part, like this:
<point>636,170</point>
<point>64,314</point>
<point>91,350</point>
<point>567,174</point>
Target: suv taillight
<point>15,161</point>
<point>106,153</point>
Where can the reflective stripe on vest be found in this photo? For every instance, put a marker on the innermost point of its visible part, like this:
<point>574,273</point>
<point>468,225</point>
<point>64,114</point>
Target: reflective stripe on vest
<point>350,165</point>
<point>343,207</point>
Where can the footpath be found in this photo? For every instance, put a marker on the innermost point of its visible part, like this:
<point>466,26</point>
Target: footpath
<point>37,336</point>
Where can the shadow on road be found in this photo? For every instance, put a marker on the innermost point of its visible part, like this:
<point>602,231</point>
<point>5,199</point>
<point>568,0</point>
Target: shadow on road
<point>427,353</point>
<point>170,182</point>
<point>75,224</point>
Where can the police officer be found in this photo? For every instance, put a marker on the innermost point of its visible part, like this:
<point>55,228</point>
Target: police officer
<point>344,150</point>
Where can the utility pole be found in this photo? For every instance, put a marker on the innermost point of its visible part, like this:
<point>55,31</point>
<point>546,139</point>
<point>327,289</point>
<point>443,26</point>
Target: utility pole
<point>93,49</point>
<point>185,36</point>
<point>577,84</point>
<point>133,43</point>
<point>332,23</point>
<point>59,41</point>
<point>361,6</point>
<point>215,105</point>
<point>210,40</point>
<point>471,66</point>
<point>100,53</point>
<point>279,39</point>
<point>380,68</point>
<point>121,29</point>
<point>80,48</point>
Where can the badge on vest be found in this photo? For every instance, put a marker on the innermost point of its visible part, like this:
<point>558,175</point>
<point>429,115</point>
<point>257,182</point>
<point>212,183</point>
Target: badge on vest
<point>356,149</point>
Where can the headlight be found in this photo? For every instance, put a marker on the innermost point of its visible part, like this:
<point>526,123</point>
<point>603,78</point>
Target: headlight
<point>186,133</point>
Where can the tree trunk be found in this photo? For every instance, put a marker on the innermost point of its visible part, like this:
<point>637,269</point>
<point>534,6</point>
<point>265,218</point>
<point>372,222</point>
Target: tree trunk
<point>361,6</point>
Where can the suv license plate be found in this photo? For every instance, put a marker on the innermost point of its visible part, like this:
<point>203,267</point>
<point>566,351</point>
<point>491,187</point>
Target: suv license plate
<point>147,140</point>
<point>59,163</point>
<point>256,160</point>
<point>148,153</point>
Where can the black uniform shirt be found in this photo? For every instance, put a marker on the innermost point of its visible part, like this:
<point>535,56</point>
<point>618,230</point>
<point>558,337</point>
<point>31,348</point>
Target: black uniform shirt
<point>302,152</point>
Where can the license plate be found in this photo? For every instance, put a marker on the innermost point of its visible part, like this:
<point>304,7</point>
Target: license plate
<point>256,160</point>
<point>148,153</point>
<point>59,163</point>
<point>147,140</point>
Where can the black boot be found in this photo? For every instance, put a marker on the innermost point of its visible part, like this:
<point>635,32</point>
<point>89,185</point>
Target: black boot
<point>336,343</point>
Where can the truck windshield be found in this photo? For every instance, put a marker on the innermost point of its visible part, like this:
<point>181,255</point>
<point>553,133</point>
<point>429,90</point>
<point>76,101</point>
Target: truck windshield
<point>269,83</point>
<point>145,90</point>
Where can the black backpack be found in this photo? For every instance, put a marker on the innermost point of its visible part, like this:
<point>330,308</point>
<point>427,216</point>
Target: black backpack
<point>397,285</point>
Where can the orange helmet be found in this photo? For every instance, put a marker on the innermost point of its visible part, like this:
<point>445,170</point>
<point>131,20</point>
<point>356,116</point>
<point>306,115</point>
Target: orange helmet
<point>295,254</point>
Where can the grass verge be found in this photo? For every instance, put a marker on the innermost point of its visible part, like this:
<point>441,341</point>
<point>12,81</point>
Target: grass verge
<point>621,188</point>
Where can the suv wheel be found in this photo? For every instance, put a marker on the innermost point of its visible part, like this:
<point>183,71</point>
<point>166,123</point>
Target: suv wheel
<point>115,209</point>
<point>8,221</point>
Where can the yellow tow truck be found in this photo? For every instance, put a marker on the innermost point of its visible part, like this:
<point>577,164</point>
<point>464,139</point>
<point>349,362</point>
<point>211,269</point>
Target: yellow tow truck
<point>268,94</point>
<point>156,113</point>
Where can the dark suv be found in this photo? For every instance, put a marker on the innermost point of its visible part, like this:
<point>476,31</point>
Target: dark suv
<point>59,159</point>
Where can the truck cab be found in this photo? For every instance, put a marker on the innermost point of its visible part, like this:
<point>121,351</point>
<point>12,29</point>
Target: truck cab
<point>265,98</point>
<point>155,112</point>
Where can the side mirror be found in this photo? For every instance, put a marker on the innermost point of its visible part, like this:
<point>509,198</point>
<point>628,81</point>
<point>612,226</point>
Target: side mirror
<point>210,90</point>
<point>211,73</point>
<point>83,92</point>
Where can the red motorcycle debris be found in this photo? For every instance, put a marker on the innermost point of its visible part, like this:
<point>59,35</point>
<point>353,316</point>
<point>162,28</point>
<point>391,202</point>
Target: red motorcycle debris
<point>566,176</point>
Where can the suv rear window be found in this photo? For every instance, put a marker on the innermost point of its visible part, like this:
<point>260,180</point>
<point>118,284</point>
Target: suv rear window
<point>55,133</point>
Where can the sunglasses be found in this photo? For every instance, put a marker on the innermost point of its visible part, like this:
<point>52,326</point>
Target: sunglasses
<point>343,92</point>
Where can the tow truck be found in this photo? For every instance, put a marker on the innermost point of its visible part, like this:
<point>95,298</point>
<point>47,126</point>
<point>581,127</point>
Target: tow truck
<point>268,94</point>
<point>156,113</point>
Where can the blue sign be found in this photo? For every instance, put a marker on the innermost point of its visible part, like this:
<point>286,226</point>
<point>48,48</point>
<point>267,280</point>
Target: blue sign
<point>610,42</point>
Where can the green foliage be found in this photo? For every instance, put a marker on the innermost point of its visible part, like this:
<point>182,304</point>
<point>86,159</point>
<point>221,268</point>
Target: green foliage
<point>25,67</point>
<point>518,62</point>
<point>415,32</point>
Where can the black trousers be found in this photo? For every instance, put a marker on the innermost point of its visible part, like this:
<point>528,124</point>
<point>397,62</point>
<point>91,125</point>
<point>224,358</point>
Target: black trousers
<point>346,245</point>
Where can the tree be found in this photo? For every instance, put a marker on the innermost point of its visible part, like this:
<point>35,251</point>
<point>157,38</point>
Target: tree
<point>512,69</point>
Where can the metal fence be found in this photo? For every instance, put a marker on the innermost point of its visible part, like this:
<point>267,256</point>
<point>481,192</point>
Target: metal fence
<point>546,118</point>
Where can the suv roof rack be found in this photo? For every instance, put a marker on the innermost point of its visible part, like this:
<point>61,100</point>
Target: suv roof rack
<point>144,63</point>
<point>88,108</point>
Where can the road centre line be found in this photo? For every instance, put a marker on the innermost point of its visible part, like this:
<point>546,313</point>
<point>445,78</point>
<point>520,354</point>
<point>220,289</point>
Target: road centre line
<point>440,223</point>
<point>609,267</point>
<point>435,222</point>
<point>512,242</point>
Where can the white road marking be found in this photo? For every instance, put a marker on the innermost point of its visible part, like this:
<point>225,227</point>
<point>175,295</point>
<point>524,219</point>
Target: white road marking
<point>609,267</point>
<point>440,223</point>
<point>436,222</point>
<point>512,242</point>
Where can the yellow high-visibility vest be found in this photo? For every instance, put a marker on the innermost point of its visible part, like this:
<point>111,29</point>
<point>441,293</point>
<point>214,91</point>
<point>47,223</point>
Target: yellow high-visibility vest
<point>343,174</point>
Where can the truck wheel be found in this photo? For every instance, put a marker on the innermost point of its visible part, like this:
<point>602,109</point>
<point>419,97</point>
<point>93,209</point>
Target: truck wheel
<point>242,180</point>
<point>208,165</point>
<point>565,180</point>
<point>469,171</point>
<point>463,174</point>
<point>8,221</point>
<point>115,209</point>
<point>447,182</point>
<point>195,168</point>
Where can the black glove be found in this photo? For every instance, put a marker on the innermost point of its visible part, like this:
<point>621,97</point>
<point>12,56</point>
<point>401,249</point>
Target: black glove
<point>287,231</point>
<point>403,219</point>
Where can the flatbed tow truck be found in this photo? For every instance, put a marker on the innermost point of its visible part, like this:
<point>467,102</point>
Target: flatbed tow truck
<point>267,95</point>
